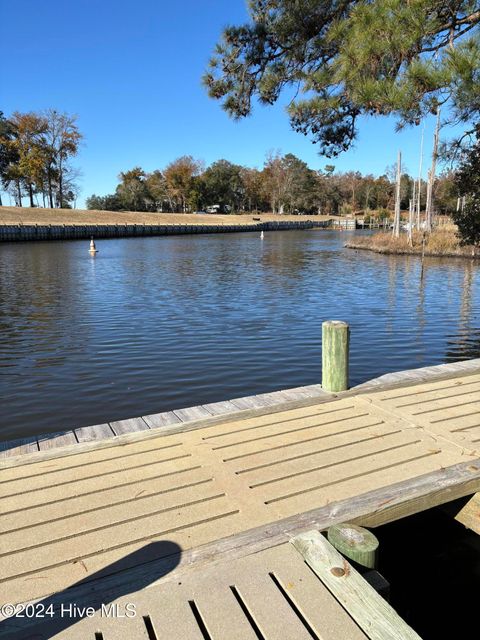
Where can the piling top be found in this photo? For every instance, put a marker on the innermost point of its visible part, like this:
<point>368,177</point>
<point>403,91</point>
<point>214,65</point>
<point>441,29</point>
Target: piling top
<point>335,323</point>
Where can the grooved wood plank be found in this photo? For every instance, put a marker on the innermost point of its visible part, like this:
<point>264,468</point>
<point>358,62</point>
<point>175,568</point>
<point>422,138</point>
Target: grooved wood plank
<point>113,449</point>
<point>136,487</point>
<point>221,611</point>
<point>270,610</point>
<point>449,409</point>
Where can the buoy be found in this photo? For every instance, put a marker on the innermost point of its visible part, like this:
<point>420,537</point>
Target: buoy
<point>261,235</point>
<point>93,249</point>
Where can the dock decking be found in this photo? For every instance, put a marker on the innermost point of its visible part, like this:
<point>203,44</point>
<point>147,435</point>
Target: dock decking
<point>238,484</point>
<point>100,432</point>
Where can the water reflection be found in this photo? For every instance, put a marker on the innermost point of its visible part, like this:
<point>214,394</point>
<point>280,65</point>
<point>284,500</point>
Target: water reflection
<point>152,324</point>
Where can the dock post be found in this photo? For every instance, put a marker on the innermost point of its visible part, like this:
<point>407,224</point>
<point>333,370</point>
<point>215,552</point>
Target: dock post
<point>354,542</point>
<point>335,346</point>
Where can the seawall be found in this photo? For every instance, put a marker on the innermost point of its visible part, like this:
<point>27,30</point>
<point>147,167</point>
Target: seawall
<point>22,233</point>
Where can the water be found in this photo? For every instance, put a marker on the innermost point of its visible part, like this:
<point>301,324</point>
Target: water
<point>153,324</point>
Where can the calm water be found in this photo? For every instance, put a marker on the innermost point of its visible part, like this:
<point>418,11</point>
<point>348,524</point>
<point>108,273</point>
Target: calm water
<point>154,324</point>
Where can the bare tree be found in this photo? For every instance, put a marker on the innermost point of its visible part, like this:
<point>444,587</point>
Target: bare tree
<point>62,140</point>
<point>431,176</point>
<point>396,219</point>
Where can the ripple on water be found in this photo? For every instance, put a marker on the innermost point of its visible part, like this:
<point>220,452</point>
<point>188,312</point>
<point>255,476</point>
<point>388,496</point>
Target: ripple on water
<point>153,324</point>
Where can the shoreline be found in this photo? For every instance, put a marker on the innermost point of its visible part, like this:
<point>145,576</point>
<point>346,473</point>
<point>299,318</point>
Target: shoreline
<point>26,224</point>
<point>413,251</point>
<point>31,233</point>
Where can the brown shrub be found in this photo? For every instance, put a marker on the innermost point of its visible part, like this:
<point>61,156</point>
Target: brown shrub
<point>441,242</point>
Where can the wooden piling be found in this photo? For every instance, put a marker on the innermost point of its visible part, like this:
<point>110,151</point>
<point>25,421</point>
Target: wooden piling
<point>335,347</point>
<point>354,542</point>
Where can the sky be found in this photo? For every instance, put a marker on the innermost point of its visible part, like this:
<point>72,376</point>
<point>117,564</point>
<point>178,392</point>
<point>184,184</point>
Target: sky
<point>131,72</point>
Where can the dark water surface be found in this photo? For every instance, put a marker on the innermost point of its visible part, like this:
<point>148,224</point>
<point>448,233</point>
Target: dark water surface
<point>153,324</point>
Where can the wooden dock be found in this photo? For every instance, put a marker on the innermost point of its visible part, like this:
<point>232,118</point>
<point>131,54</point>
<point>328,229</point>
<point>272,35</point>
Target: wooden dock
<point>85,518</point>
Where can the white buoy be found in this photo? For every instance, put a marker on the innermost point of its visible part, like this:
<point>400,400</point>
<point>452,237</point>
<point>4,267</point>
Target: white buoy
<point>261,235</point>
<point>93,249</point>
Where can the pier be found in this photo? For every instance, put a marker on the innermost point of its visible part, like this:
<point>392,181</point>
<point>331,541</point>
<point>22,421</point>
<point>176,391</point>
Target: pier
<point>229,483</point>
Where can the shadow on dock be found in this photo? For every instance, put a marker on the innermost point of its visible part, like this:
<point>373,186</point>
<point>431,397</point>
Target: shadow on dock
<point>56,609</point>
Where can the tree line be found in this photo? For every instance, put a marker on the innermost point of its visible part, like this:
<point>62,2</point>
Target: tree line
<point>35,153</point>
<point>285,185</point>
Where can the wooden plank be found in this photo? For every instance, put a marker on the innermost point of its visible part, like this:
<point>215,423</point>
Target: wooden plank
<point>140,485</point>
<point>315,391</point>
<point>286,395</point>
<point>18,447</point>
<point>469,514</point>
<point>411,377</point>
<point>251,402</point>
<point>163,419</point>
<point>56,440</point>
<point>371,612</point>
<point>307,593</point>
<point>220,610</point>
<point>94,433</point>
<point>272,398</point>
<point>66,483</point>
<point>172,616</point>
<point>271,611</point>
<point>128,426</point>
<point>220,408</point>
<point>192,413</point>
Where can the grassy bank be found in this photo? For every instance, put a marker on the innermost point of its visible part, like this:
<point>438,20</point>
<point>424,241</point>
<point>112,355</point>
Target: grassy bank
<point>442,242</point>
<point>25,215</point>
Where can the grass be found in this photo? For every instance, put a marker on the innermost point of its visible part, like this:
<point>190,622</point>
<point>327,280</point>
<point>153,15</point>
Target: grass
<point>441,242</point>
<point>26,215</point>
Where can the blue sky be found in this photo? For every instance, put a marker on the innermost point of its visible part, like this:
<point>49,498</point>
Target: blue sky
<point>132,71</point>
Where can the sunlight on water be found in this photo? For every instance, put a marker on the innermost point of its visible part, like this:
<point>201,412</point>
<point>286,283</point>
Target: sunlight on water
<point>153,324</point>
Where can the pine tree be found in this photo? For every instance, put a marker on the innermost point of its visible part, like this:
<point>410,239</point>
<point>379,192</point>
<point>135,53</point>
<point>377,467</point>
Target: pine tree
<point>351,58</point>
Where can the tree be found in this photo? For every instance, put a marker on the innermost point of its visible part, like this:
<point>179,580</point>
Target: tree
<point>156,187</point>
<point>290,184</point>
<point>28,140</point>
<point>62,140</point>
<point>276,182</point>
<point>104,203</point>
<point>132,191</point>
<point>8,153</point>
<point>351,58</point>
<point>23,155</point>
<point>467,179</point>
<point>254,189</point>
<point>224,185</point>
<point>446,193</point>
<point>35,149</point>
<point>179,177</point>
